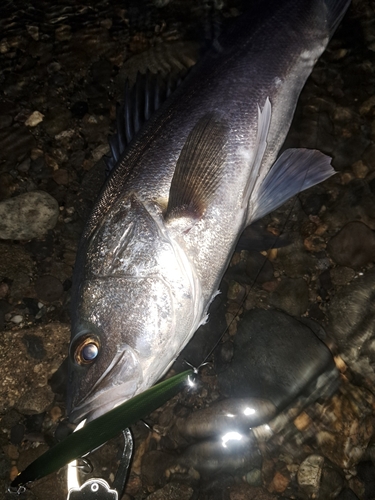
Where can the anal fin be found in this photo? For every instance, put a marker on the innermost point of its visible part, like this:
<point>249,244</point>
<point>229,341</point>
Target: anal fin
<point>294,171</point>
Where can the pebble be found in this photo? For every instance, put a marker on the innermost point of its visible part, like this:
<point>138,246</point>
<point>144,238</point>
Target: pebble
<point>360,170</point>
<point>28,216</point>
<point>16,433</point>
<point>295,260</point>
<point>13,472</point>
<point>291,296</point>
<point>63,430</point>
<point>21,286</point>
<point>48,288</point>
<point>353,246</point>
<point>347,427</point>
<point>341,275</point>
<point>11,451</point>
<point>309,474</point>
<point>34,345</point>
<point>4,290</point>
<point>57,120</point>
<point>247,492</point>
<point>7,186</point>
<point>17,319</point>
<point>279,482</point>
<point>34,119</point>
<point>55,413</point>
<point>172,491</point>
<point>61,176</point>
<point>35,401</point>
<point>15,143</point>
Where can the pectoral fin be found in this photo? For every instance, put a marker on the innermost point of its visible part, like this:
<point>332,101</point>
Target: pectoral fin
<point>293,172</point>
<point>199,168</point>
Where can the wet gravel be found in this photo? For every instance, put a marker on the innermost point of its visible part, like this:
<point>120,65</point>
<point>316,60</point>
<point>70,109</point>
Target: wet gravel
<point>62,70</point>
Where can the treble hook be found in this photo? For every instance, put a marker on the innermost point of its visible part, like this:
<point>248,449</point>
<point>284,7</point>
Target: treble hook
<point>95,488</point>
<point>86,467</point>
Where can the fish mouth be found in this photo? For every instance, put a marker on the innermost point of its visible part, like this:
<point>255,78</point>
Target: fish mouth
<point>120,381</point>
<point>101,404</point>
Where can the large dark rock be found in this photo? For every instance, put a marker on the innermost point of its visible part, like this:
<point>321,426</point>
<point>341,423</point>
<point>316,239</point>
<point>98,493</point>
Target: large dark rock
<point>275,357</point>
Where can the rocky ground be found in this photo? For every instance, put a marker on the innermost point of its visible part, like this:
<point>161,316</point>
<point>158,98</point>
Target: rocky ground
<point>298,318</point>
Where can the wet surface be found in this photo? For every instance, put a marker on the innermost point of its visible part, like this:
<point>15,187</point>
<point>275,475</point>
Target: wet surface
<point>63,67</point>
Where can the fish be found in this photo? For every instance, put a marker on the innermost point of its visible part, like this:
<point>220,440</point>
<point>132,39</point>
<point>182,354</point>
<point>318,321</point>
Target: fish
<point>202,168</point>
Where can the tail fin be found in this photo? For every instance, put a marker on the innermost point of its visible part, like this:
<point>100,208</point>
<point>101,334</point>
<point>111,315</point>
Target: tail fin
<point>335,12</point>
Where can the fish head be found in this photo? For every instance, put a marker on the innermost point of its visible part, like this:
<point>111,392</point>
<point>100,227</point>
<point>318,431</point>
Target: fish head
<point>120,345</point>
<point>131,312</point>
<point>101,373</point>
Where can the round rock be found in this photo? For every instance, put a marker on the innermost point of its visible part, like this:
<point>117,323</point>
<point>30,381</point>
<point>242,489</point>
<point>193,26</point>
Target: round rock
<point>37,400</point>
<point>352,324</point>
<point>48,288</point>
<point>28,216</point>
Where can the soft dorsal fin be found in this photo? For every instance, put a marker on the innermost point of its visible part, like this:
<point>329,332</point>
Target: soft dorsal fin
<point>199,168</point>
<point>264,122</point>
<point>140,101</point>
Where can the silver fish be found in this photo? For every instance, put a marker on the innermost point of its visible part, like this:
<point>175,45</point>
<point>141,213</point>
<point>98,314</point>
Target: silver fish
<point>166,223</point>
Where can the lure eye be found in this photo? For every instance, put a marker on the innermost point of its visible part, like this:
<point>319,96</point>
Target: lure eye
<point>86,351</point>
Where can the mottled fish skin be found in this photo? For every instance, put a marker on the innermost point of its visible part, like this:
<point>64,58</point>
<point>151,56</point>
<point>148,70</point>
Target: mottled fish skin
<point>167,220</point>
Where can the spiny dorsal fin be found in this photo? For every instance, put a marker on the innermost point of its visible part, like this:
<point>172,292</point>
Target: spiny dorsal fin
<point>140,102</point>
<point>199,168</point>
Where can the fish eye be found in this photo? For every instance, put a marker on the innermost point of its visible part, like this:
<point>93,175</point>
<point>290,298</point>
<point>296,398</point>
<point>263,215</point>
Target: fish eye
<point>86,351</point>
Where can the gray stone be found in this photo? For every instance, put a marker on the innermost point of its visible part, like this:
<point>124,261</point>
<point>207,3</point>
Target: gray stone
<point>254,477</point>
<point>267,362</point>
<point>28,216</point>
